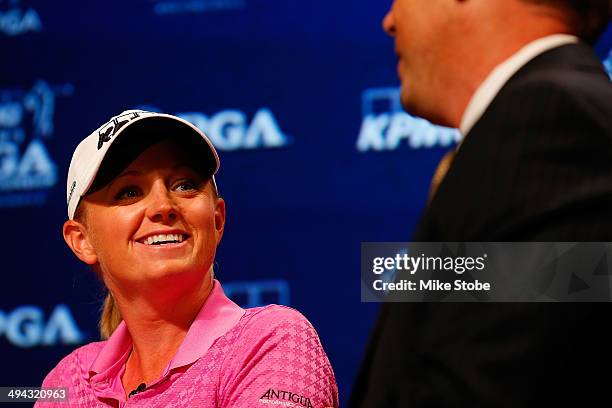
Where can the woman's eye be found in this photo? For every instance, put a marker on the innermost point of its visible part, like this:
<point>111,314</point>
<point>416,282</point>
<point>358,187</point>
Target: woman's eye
<point>186,185</point>
<point>128,193</point>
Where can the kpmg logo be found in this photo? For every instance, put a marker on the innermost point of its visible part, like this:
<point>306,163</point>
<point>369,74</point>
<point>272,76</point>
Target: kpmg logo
<point>386,126</point>
<point>27,170</point>
<point>16,20</point>
<point>232,129</point>
<point>165,7</point>
<point>26,326</point>
<point>608,64</point>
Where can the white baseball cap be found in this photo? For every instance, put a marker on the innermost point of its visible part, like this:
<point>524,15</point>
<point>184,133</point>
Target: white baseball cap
<point>94,163</point>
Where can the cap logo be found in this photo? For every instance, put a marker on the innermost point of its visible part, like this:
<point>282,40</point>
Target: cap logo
<point>110,129</point>
<point>71,191</point>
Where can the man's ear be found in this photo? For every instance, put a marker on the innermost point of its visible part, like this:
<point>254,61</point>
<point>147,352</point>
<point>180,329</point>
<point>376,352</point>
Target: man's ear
<point>219,219</point>
<point>75,235</point>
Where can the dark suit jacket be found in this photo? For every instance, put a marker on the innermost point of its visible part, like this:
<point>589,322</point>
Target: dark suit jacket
<point>536,167</point>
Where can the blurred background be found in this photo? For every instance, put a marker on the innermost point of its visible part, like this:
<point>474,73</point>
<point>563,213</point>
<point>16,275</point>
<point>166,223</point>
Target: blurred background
<point>301,100</point>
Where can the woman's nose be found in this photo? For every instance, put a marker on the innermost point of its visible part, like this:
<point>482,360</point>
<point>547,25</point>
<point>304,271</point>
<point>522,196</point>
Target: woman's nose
<point>161,206</point>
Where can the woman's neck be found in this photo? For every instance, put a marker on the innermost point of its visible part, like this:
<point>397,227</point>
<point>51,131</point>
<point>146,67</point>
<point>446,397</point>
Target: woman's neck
<point>158,324</point>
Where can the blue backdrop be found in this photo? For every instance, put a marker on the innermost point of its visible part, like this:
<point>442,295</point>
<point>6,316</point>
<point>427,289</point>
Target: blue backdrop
<point>301,99</point>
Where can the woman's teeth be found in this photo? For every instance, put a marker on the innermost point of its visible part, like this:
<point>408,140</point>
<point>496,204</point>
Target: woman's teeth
<point>164,239</point>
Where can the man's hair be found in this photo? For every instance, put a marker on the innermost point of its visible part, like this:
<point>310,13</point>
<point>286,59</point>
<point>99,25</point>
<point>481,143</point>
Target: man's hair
<point>588,17</point>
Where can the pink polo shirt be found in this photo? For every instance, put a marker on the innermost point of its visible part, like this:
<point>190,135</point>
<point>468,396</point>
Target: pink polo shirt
<point>231,357</point>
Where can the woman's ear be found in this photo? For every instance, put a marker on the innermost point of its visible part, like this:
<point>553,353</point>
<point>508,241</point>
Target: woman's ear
<point>219,219</point>
<point>75,235</point>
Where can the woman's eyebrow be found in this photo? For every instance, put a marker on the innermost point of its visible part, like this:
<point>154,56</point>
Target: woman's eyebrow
<point>190,168</point>
<point>176,166</point>
<point>182,165</point>
<point>129,173</point>
<point>124,174</point>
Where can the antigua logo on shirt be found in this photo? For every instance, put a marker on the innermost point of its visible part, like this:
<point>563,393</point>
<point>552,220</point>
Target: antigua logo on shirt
<point>284,398</point>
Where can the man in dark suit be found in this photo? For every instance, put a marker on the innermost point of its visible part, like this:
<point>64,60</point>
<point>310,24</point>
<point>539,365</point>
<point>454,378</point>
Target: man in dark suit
<point>535,108</point>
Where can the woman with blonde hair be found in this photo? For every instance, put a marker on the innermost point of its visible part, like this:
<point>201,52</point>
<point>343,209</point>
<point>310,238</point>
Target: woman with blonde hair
<point>145,214</point>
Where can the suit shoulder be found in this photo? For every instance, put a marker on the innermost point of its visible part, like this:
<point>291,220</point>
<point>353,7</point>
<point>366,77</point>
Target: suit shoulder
<point>572,67</point>
<point>587,88</point>
<point>570,99</point>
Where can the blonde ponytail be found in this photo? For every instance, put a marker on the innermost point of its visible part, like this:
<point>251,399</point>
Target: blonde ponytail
<point>110,318</point>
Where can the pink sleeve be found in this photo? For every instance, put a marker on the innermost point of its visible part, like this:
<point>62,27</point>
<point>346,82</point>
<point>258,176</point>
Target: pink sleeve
<point>70,372</point>
<point>277,361</point>
<point>58,377</point>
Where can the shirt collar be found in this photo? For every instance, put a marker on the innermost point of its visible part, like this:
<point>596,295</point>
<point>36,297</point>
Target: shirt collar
<point>216,317</point>
<point>501,74</point>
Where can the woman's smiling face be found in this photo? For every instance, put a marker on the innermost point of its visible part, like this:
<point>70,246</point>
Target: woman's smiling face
<point>158,223</point>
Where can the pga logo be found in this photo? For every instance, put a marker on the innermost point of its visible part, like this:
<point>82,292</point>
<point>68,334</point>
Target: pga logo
<point>26,326</point>
<point>26,125</point>
<point>16,20</point>
<point>231,129</point>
